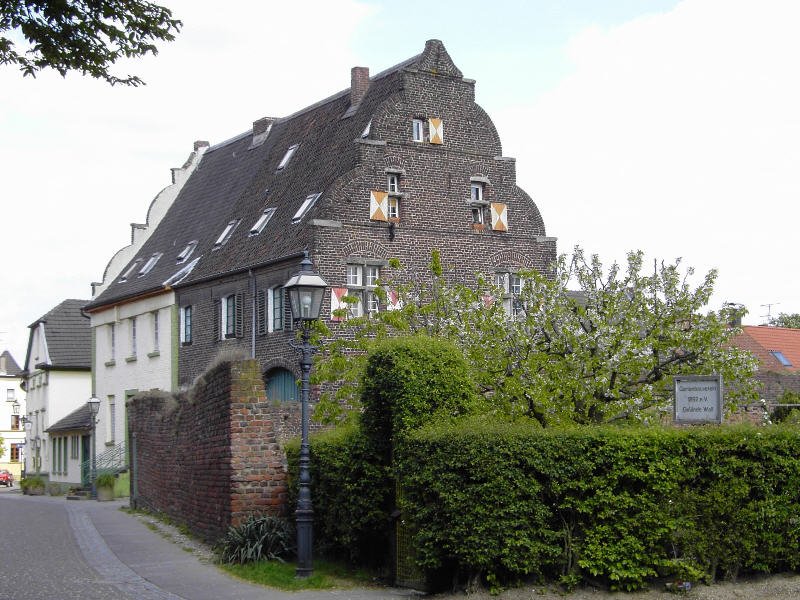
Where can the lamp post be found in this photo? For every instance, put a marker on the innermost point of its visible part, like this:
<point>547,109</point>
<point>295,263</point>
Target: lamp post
<point>306,291</point>
<point>94,407</point>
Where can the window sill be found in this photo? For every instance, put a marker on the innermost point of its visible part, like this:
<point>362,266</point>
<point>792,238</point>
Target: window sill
<point>186,343</point>
<point>111,443</point>
<point>154,354</point>
<point>110,363</point>
<point>130,359</point>
<point>478,227</point>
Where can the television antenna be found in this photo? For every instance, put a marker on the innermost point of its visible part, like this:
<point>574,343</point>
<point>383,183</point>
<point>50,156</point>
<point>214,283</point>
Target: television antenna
<point>769,311</point>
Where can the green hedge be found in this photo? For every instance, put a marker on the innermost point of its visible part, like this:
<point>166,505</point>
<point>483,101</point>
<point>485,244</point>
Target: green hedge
<point>352,495</point>
<point>612,506</point>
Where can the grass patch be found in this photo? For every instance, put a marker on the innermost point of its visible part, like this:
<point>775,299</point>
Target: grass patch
<point>280,575</point>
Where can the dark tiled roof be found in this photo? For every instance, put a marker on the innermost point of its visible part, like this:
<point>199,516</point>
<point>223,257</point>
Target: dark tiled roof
<point>232,180</point>
<point>80,418</point>
<point>68,336</point>
<point>11,366</point>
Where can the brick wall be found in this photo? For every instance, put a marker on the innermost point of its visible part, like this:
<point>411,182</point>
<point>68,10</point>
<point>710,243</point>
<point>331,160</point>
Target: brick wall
<point>209,457</point>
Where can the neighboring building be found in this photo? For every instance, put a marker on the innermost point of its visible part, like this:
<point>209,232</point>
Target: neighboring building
<point>12,409</point>
<point>132,338</point>
<point>778,352</point>
<point>398,165</point>
<point>57,379</point>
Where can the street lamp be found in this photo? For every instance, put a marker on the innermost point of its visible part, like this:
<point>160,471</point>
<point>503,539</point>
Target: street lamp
<point>306,291</point>
<point>94,407</point>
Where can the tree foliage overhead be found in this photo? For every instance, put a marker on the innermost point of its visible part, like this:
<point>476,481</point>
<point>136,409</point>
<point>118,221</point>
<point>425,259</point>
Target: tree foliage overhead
<point>605,351</point>
<point>88,36</point>
<point>791,320</point>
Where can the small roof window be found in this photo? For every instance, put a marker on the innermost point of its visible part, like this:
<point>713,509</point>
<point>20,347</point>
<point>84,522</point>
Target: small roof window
<point>151,262</point>
<point>259,225</point>
<point>781,358</point>
<point>226,234</point>
<point>365,133</point>
<point>130,270</point>
<point>186,252</point>
<point>288,156</point>
<point>182,274</point>
<point>305,207</point>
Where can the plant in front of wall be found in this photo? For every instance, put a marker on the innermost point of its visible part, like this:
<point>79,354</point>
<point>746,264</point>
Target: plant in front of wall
<point>32,486</point>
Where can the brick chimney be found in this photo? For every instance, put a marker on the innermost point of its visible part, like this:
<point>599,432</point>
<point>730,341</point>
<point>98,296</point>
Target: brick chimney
<point>359,84</point>
<point>261,130</point>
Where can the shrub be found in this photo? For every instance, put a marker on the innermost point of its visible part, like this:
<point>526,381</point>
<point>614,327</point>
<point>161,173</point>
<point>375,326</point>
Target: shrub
<point>408,382</point>
<point>352,496</point>
<point>611,505</point>
<point>258,538</point>
<point>105,480</point>
<point>31,482</point>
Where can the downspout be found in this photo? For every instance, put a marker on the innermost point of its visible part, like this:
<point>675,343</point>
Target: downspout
<point>253,315</point>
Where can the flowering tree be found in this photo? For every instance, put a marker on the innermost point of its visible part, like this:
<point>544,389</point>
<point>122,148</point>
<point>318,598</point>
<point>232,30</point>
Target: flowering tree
<point>604,351</point>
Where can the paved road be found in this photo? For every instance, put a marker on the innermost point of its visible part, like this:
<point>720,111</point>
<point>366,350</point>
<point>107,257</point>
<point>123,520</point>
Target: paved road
<point>54,549</point>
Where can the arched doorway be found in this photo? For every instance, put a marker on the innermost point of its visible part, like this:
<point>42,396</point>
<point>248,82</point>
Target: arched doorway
<point>281,385</point>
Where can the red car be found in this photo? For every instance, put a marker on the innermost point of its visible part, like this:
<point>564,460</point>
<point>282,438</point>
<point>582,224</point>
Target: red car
<point>6,478</point>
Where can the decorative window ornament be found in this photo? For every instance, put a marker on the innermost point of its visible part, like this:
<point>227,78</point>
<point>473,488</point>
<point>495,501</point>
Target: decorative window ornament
<point>436,128</point>
<point>378,205</point>
<point>499,217</point>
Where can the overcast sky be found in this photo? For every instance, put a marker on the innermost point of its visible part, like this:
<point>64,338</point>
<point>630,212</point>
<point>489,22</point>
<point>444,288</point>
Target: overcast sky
<point>671,127</point>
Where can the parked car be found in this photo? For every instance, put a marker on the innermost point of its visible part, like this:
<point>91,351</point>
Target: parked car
<point>6,478</point>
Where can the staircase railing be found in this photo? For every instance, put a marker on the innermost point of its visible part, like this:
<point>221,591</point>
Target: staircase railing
<point>112,460</point>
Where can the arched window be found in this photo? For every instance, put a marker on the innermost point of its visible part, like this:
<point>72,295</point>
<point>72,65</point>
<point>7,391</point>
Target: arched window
<point>281,385</point>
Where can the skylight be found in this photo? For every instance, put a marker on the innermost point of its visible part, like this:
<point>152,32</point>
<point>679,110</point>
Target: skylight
<point>182,274</point>
<point>288,156</point>
<point>781,358</point>
<point>259,225</point>
<point>365,133</point>
<point>226,234</point>
<point>151,262</point>
<point>186,252</point>
<point>305,207</point>
<point>131,269</point>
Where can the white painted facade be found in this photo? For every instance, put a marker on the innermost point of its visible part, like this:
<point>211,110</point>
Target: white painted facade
<point>135,347</point>
<point>51,396</point>
<point>158,208</point>
<point>12,431</point>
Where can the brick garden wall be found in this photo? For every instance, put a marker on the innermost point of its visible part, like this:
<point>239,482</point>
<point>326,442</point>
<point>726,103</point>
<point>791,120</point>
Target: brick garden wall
<point>210,457</point>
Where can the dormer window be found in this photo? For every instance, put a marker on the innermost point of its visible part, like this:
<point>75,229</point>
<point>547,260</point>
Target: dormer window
<point>288,156</point>
<point>226,234</point>
<point>186,252</point>
<point>305,207</point>
<point>262,221</point>
<point>130,270</point>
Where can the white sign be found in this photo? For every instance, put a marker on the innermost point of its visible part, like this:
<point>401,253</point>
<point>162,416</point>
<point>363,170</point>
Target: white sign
<point>698,399</point>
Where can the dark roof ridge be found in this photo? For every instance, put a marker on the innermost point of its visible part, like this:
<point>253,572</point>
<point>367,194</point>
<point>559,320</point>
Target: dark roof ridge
<point>56,308</point>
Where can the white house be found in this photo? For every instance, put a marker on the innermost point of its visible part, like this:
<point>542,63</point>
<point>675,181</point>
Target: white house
<point>135,338</point>
<point>58,382</point>
<point>12,408</point>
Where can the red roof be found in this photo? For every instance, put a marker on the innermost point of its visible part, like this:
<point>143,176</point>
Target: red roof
<point>763,342</point>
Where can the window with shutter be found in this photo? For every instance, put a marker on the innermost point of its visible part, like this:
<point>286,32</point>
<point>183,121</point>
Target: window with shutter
<point>337,303</point>
<point>239,315</point>
<point>218,318</point>
<point>261,312</point>
<point>499,217</point>
<point>436,128</point>
<point>277,309</point>
<point>378,205</point>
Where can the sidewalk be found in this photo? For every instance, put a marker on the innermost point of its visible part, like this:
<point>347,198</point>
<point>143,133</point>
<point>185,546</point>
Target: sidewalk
<point>143,564</point>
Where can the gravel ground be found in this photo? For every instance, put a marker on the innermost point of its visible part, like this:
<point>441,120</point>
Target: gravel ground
<point>777,587</point>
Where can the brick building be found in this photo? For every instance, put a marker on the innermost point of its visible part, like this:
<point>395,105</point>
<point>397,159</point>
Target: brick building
<point>778,352</point>
<point>397,165</point>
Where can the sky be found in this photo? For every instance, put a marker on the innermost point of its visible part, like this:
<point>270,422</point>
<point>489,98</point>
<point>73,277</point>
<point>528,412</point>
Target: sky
<point>662,125</point>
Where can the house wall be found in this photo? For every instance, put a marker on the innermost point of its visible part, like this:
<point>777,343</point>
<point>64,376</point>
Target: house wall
<point>210,457</point>
<point>435,213</point>
<point>119,372</point>
<point>51,395</point>
<point>12,432</point>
